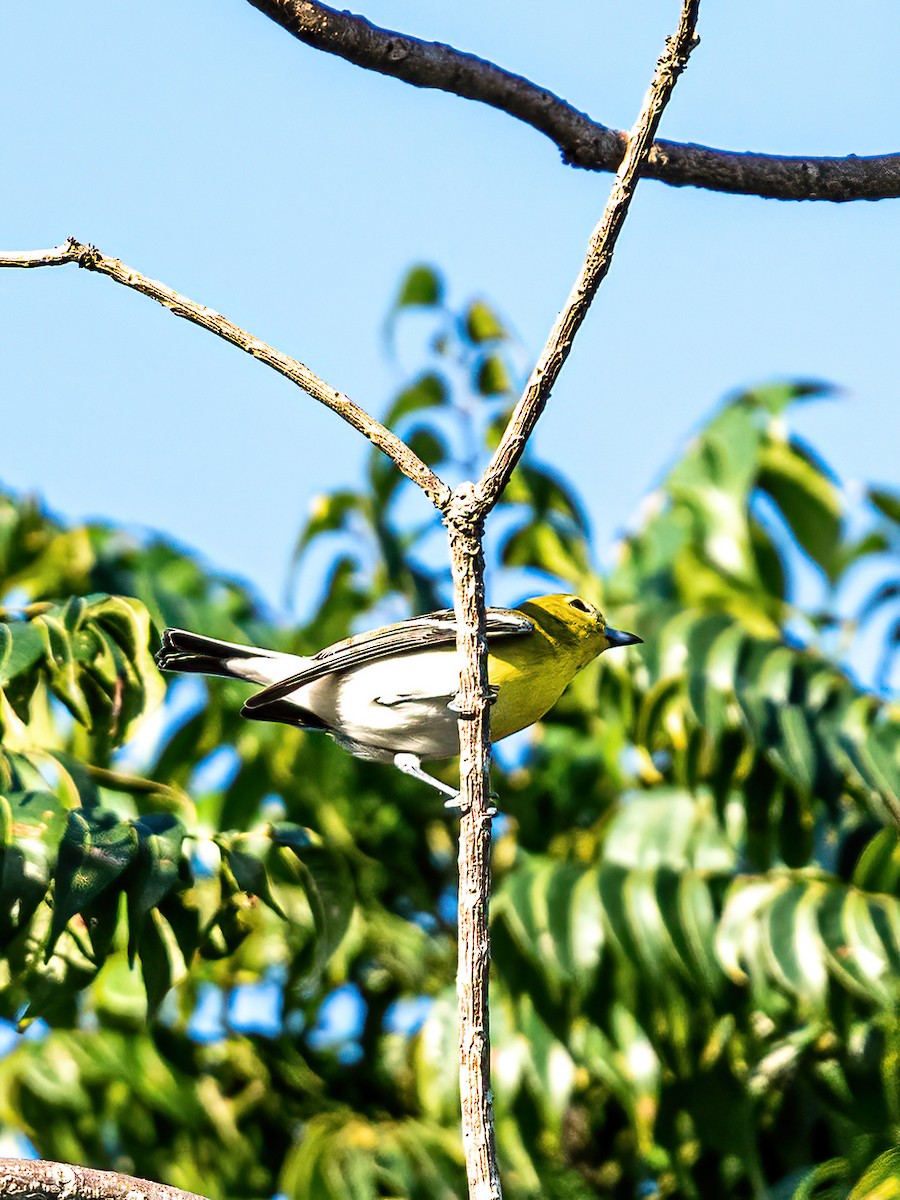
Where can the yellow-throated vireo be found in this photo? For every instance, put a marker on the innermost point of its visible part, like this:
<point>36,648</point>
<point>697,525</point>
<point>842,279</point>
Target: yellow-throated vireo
<point>388,695</point>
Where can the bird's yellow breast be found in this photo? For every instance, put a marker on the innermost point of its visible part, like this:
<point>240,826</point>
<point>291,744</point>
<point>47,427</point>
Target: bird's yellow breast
<point>531,673</point>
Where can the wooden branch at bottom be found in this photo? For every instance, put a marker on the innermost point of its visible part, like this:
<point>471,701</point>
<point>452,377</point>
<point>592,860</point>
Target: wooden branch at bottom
<point>91,259</point>
<point>37,1179</point>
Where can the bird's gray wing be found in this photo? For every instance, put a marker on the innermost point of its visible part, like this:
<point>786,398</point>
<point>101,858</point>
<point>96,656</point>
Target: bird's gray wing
<point>418,633</point>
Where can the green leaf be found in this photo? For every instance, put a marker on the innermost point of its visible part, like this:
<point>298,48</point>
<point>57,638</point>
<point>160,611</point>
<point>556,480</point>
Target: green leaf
<point>552,894</point>
<point>874,758</point>
<point>63,675</point>
<point>428,391</point>
<point>482,324</point>
<point>101,919</point>
<point>95,850</point>
<point>738,940</point>
<point>878,867</point>
<point>664,694</point>
<point>855,954</point>
<point>155,871</point>
<point>543,546</point>
<point>887,503</point>
<point>647,924</point>
<point>776,397</point>
<point>693,932</point>
<point>668,827</point>
<point>545,493</point>
<point>422,286</point>
<point>28,858</point>
<point>78,782</point>
<point>769,565</point>
<point>882,1180</point>
<point>795,748</point>
<point>792,940</point>
<point>429,445</point>
<point>248,857</point>
<point>162,963</point>
<point>492,377</point>
<point>21,646</point>
<point>329,514</point>
<point>808,499</point>
<point>328,886</point>
<point>713,647</point>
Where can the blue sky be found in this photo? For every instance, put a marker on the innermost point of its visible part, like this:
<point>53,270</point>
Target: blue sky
<point>289,190</point>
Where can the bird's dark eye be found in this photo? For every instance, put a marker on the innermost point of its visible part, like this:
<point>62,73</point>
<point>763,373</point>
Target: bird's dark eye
<point>578,603</point>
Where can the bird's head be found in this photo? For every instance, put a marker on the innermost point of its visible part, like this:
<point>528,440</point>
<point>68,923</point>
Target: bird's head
<point>574,623</point>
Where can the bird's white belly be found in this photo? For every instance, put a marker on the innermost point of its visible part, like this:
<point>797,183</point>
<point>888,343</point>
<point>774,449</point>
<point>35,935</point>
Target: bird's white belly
<point>398,705</point>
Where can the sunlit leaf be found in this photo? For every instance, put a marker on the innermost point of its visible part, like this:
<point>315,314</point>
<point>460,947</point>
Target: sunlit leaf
<point>881,1181</point>
<point>21,646</point>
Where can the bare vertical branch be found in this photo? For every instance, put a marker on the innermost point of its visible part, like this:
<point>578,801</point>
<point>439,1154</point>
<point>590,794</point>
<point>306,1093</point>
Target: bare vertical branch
<point>473,937</point>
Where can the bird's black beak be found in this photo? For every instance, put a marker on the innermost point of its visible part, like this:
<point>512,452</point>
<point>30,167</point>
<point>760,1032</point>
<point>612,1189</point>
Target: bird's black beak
<point>616,637</point>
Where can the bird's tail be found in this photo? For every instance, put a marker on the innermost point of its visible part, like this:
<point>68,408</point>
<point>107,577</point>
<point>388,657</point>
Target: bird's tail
<point>194,654</point>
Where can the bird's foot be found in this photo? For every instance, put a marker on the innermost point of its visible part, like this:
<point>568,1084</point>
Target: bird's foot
<point>454,706</point>
<point>455,802</point>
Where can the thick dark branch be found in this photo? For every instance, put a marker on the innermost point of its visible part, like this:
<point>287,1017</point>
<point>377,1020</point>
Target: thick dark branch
<point>91,259</point>
<point>582,142</point>
<point>594,268</point>
<point>27,1179</point>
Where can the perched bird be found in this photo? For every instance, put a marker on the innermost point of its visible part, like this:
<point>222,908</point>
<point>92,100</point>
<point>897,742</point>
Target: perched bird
<point>388,695</point>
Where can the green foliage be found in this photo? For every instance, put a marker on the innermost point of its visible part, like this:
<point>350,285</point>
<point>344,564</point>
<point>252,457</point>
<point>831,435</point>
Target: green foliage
<point>77,679</point>
<point>696,919</point>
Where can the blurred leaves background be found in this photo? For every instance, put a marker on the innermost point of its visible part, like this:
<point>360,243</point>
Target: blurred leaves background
<point>229,948</point>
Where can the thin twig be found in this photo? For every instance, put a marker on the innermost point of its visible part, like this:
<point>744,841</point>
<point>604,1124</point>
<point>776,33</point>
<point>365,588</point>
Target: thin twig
<point>72,251</point>
<point>582,141</point>
<point>37,1179</point>
<point>139,785</point>
<point>595,266</point>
